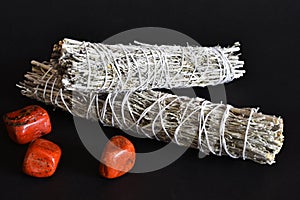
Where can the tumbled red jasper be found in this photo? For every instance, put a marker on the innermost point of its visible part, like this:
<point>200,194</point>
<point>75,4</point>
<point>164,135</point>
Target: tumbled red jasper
<point>27,124</point>
<point>42,158</point>
<point>118,157</point>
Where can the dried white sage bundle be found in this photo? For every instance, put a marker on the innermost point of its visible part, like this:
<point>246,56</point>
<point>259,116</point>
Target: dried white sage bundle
<point>194,122</point>
<point>97,67</point>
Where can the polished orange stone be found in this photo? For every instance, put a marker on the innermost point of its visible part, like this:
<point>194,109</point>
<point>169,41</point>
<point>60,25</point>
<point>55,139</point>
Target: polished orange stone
<point>42,158</point>
<point>27,124</point>
<point>118,157</point>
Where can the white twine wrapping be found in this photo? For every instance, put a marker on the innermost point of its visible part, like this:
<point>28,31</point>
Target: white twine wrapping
<point>96,67</point>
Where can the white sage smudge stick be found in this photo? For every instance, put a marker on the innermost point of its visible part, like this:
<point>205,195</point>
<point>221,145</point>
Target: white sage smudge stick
<point>114,68</point>
<point>194,122</point>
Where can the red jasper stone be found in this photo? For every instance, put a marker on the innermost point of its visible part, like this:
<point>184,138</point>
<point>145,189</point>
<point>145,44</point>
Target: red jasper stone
<point>27,124</point>
<point>41,159</point>
<point>118,157</point>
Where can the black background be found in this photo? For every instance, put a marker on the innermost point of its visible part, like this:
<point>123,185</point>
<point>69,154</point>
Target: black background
<point>269,33</point>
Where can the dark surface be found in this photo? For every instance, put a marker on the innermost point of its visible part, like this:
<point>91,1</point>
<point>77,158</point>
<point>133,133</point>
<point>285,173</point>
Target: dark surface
<point>269,33</point>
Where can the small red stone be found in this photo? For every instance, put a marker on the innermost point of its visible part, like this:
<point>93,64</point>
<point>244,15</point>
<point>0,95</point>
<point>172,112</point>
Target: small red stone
<point>27,124</point>
<point>118,157</point>
<point>41,159</point>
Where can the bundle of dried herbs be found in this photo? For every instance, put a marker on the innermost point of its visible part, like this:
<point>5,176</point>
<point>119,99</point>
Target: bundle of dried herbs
<point>210,127</point>
<point>114,68</point>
